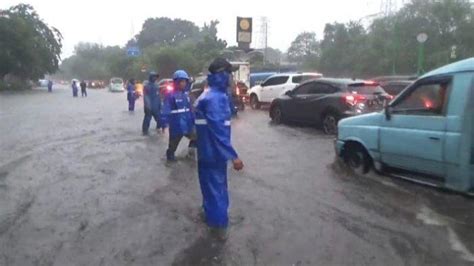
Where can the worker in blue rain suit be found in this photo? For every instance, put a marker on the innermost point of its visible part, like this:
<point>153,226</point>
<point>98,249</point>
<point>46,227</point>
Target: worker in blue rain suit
<point>50,86</point>
<point>178,115</point>
<point>131,95</point>
<point>214,146</point>
<point>151,102</point>
<point>74,89</point>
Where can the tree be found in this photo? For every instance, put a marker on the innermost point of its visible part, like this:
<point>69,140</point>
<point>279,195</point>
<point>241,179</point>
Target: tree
<point>389,44</point>
<point>29,48</point>
<point>165,31</point>
<point>303,47</point>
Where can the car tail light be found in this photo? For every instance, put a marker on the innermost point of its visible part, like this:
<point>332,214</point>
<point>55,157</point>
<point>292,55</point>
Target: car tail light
<point>371,83</point>
<point>169,88</point>
<point>354,99</point>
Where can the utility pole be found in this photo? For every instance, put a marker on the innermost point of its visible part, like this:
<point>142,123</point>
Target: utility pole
<point>388,7</point>
<point>264,37</point>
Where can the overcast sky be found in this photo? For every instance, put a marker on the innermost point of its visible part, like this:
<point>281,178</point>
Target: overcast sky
<point>115,22</point>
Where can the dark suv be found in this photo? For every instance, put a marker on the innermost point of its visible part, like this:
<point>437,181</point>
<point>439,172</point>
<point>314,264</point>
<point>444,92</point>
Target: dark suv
<point>325,101</point>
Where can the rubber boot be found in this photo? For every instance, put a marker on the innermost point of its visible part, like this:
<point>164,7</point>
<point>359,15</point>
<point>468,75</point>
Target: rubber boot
<point>170,156</point>
<point>220,234</point>
<point>191,153</point>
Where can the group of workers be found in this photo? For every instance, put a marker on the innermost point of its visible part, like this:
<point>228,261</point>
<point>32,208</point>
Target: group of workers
<point>75,89</point>
<point>206,123</point>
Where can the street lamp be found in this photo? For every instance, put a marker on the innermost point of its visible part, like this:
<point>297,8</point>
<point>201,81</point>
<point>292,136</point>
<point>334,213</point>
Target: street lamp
<point>421,38</point>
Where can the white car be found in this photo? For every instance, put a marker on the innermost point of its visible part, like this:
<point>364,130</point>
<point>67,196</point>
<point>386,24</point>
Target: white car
<point>277,85</point>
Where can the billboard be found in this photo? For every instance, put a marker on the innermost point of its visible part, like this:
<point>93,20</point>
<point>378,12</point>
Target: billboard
<point>244,32</point>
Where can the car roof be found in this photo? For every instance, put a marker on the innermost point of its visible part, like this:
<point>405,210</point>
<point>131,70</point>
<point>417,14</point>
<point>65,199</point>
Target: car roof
<point>394,78</point>
<point>297,74</point>
<point>262,74</point>
<point>460,66</point>
<point>341,81</point>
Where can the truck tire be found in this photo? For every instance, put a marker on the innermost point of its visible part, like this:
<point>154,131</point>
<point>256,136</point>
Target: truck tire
<point>356,158</point>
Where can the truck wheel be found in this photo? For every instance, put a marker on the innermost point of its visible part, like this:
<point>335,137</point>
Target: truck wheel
<point>330,123</point>
<point>276,115</point>
<point>357,159</point>
<point>254,103</point>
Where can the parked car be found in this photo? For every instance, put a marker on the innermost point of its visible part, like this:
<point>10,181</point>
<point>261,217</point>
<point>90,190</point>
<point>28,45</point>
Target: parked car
<point>95,84</point>
<point>43,83</point>
<point>166,86</point>
<point>259,78</point>
<point>325,101</point>
<point>382,79</point>
<point>197,87</point>
<point>276,86</point>
<point>116,85</point>
<point>427,132</point>
<point>395,87</point>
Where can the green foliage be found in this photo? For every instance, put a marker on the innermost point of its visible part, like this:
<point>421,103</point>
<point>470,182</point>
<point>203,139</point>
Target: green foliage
<point>29,48</point>
<point>389,44</point>
<point>305,46</point>
<point>165,31</point>
<point>166,45</point>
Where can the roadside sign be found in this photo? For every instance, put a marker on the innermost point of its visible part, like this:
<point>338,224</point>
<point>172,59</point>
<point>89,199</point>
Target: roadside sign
<point>133,51</point>
<point>422,37</point>
<point>244,32</point>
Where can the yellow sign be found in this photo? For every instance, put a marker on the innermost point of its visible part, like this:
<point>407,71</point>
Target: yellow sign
<point>244,24</point>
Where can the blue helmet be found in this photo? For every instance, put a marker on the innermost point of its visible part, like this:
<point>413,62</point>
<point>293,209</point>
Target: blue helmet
<point>180,74</point>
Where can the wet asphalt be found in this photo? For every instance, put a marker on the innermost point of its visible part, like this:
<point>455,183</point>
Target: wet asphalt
<point>79,185</point>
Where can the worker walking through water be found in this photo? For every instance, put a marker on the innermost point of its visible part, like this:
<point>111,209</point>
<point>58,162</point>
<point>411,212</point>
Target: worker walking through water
<point>177,113</point>
<point>131,97</point>
<point>83,89</point>
<point>50,86</point>
<point>213,116</point>
<point>152,103</point>
<point>74,89</point>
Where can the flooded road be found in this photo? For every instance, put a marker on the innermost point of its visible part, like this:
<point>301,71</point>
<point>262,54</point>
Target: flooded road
<point>79,185</point>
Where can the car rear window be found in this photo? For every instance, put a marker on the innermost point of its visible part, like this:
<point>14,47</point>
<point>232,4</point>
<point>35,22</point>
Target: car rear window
<point>394,89</point>
<point>366,89</point>
<point>302,78</point>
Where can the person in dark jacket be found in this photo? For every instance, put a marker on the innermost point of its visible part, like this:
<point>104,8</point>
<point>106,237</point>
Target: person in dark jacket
<point>214,147</point>
<point>151,102</point>
<point>131,97</point>
<point>177,113</point>
<point>83,89</point>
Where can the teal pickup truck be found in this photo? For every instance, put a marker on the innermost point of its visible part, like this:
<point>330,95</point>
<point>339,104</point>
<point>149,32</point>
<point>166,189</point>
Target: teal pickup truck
<point>426,133</point>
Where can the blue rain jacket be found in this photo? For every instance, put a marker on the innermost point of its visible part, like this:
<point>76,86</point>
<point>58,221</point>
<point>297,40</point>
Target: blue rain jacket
<point>151,96</point>
<point>131,92</point>
<point>177,112</point>
<point>213,122</point>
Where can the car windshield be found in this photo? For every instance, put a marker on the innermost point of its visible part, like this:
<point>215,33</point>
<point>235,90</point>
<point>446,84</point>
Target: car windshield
<point>265,155</point>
